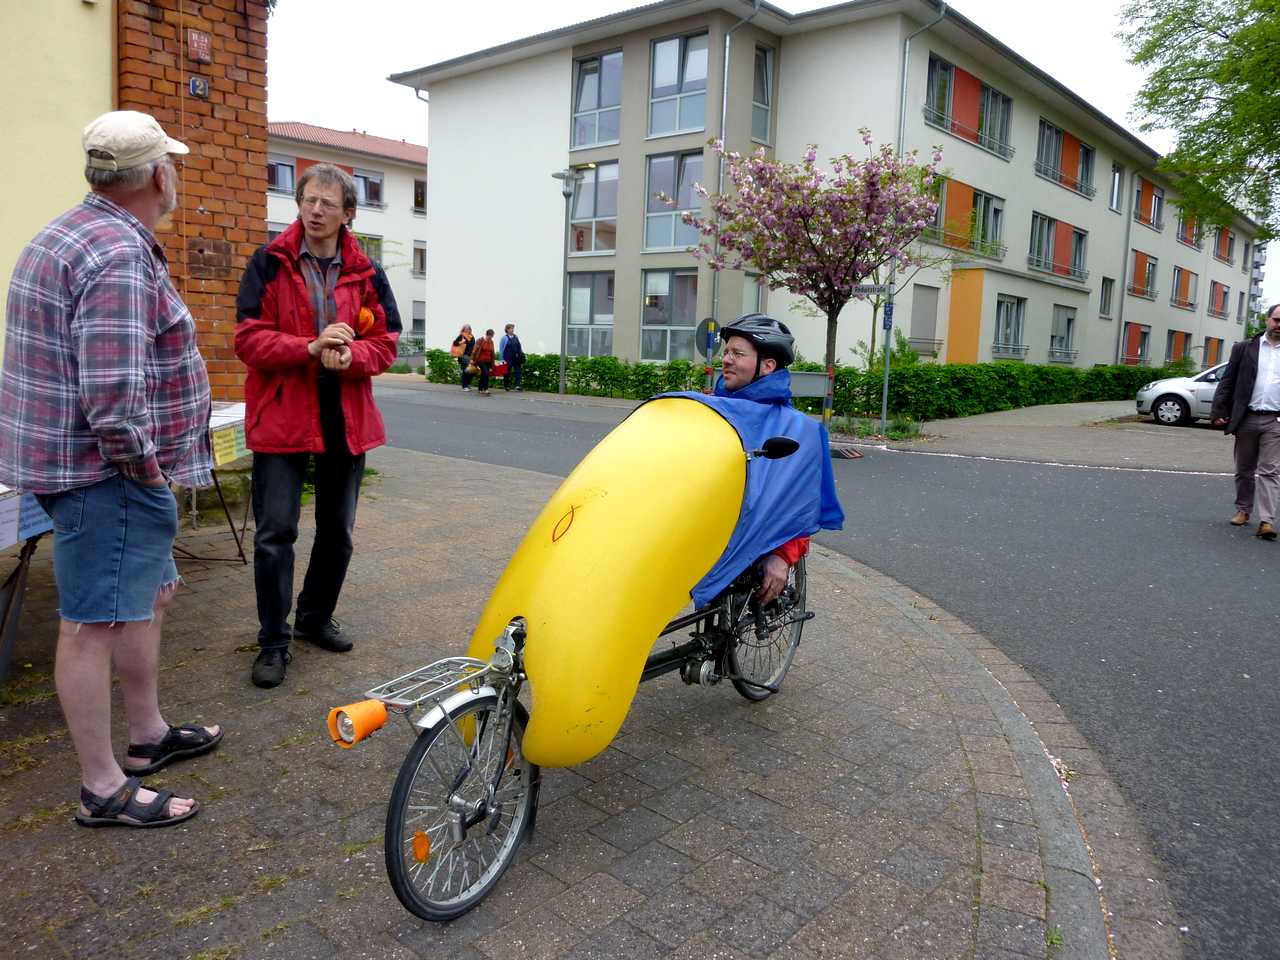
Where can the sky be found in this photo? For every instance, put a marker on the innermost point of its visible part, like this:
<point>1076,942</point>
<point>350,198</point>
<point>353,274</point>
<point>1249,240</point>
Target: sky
<point>379,37</point>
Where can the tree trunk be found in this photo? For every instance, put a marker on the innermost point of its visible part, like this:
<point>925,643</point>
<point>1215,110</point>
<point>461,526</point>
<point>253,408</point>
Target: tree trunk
<point>833,316</point>
<point>875,322</point>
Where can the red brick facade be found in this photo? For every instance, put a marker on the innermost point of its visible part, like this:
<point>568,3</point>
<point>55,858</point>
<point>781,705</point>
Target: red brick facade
<point>221,219</point>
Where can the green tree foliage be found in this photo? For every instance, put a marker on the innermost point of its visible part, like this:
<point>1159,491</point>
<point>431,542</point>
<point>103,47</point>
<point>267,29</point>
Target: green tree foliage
<point>1215,81</point>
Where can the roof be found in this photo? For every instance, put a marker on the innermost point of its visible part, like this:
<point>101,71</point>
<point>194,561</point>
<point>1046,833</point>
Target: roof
<point>352,141</point>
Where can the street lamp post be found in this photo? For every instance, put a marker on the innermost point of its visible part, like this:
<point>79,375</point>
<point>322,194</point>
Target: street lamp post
<point>568,178</point>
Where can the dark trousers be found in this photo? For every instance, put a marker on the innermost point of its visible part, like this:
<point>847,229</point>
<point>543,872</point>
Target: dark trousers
<point>463,363</point>
<point>484,375</point>
<point>277,501</point>
<point>514,373</point>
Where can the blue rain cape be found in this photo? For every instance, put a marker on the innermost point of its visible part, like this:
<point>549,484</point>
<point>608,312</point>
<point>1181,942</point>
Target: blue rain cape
<point>783,499</point>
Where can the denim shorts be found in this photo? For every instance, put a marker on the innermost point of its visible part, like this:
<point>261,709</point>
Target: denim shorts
<point>112,549</point>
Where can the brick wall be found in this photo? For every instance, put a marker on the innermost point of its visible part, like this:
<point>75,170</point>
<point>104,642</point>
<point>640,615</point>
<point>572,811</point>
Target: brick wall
<point>221,218</point>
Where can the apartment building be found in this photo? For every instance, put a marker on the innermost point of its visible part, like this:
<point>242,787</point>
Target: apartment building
<point>1055,241</point>
<point>391,212</point>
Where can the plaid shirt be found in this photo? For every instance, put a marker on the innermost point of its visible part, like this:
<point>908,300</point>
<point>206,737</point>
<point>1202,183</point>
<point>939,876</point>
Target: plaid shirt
<point>101,371</point>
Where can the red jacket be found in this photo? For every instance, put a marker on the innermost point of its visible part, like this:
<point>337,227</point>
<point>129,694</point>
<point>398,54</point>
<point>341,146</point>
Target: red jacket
<point>274,324</point>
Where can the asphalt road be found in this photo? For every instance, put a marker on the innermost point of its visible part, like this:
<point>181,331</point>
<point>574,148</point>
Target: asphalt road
<point>1125,594</point>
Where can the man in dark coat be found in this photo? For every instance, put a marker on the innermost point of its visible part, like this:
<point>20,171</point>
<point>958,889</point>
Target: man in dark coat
<point>1247,404</point>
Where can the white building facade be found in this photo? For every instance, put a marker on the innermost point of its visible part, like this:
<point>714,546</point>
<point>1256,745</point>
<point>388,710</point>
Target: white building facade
<point>1055,240</point>
<point>391,212</point>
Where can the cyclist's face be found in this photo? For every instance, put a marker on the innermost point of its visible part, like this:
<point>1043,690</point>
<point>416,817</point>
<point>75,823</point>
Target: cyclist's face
<point>739,363</point>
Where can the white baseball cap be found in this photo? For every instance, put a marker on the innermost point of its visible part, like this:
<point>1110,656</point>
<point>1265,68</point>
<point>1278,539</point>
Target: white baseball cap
<point>124,139</point>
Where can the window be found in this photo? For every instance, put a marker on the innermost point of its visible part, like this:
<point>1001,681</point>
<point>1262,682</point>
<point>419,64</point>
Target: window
<point>985,123</point>
<point>1188,231</point>
<point>1224,247</point>
<point>762,95</point>
<point>590,314</point>
<point>1185,285</point>
<point>1148,203</point>
<point>1062,334</point>
<point>597,99</point>
<point>1219,297</point>
<point>372,246</point>
<point>669,315</point>
<point>368,188</point>
<point>924,320</point>
<point>1106,296</point>
<point>1240,309</point>
<point>275,229</point>
<point>419,196</point>
<point>1142,277</point>
<point>1079,245</point>
<point>678,84</point>
<point>752,294</point>
<point>988,224</point>
<point>1062,158</point>
<point>1244,260</point>
<point>419,258</point>
<point>673,176</point>
<point>280,172</point>
<point>1212,352</point>
<point>419,318</point>
<point>594,227</point>
<point>1040,254</point>
<point>1137,338</point>
<point>1177,344</point>
<point>1010,312</point>
<point>1117,186</point>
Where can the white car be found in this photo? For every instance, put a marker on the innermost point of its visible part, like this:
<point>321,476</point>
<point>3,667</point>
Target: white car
<point>1176,401</point>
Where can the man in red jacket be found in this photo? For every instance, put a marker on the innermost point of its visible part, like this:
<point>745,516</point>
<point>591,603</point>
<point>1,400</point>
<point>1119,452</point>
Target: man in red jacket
<point>315,322</point>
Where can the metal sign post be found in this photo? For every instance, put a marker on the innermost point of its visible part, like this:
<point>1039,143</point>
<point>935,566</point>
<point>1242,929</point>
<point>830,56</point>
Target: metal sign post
<point>706,334</point>
<point>888,352</point>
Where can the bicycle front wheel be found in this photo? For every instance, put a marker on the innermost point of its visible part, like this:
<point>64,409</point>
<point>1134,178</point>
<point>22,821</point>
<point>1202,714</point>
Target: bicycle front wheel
<point>763,643</point>
<point>451,833</point>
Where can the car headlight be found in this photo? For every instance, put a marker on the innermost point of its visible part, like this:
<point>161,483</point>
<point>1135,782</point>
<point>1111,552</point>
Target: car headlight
<point>1148,386</point>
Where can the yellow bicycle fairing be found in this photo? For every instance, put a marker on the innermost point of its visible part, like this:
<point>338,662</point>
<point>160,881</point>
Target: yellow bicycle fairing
<point>608,563</point>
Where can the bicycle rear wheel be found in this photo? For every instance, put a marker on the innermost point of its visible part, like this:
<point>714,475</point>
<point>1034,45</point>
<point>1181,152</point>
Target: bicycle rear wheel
<point>764,642</point>
<point>447,840</point>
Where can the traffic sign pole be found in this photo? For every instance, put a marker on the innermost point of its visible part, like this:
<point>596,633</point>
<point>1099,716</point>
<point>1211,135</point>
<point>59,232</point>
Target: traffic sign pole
<point>888,353</point>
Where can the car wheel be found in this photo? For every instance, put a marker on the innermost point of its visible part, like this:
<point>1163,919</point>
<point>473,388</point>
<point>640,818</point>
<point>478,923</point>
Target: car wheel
<point>1171,411</point>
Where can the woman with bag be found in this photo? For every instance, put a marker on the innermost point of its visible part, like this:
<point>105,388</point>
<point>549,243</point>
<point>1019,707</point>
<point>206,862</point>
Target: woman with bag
<point>482,356</point>
<point>463,344</point>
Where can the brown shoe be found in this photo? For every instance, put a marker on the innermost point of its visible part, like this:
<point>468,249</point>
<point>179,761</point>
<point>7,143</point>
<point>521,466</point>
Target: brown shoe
<point>1240,519</point>
<point>1266,531</point>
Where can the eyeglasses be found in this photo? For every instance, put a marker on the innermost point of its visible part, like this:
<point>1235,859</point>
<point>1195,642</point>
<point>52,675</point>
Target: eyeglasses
<point>737,354</point>
<point>328,206</point>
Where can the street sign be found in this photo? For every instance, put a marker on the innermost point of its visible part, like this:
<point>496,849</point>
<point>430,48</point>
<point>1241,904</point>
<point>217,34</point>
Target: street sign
<point>888,316</point>
<point>870,288</point>
<point>704,338</point>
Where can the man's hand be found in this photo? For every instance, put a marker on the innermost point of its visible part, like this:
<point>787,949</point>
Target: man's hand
<point>773,579</point>
<point>332,337</point>
<point>336,358</point>
<point>1221,422</point>
<point>158,482</point>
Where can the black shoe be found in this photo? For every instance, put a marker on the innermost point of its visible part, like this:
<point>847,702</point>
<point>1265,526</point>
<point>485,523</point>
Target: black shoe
<point>268,669</point>
<point>328,637</point>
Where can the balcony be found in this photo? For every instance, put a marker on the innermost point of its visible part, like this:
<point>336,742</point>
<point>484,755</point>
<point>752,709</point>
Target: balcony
<point>1063,179</point>
<point>1155,222</point>
<point>1220,313</point>
<point>1008,351</point>
<point>925,346</point>
<point>1061,269</point>
<point>1229,259</point>
<point>1183,302</point>
<point>1192,241</point>
<point>1140,360</point>
<point>936,118</point>
<point>1063,355</point>
<point>1138,290</point>
<point>964,241</point>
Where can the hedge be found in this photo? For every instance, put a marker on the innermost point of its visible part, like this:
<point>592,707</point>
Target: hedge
<point>923,391</point>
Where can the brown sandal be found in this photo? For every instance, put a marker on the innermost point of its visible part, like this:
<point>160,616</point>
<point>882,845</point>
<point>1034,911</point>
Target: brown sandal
<point>188,740</point>
<point>123,809</point>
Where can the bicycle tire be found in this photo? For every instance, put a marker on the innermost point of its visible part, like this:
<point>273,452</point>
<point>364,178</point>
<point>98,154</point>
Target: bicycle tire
<point>756,664</point>
<point>408,856</point>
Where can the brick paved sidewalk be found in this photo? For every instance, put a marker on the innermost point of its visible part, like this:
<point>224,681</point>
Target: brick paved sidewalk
<point>892,801</point>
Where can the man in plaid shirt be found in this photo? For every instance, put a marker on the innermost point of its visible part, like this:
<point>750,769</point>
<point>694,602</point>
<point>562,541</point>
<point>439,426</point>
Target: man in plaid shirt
<point>104,399</point>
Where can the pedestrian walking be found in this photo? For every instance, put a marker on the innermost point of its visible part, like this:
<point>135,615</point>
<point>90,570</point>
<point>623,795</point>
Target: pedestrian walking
<point>482,356</point>
<point>104,400</point>
<point>463,344</point>
<point>512,355</point>
<point>315,323</point>
<point>1247,404</point>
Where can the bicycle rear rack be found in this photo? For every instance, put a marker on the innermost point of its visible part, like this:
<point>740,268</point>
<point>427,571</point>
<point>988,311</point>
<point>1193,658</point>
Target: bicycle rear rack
<point>429,682</point>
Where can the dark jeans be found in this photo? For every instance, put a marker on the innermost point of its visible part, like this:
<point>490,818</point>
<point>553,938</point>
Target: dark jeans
<point>514,373</point>
<point>277,501</point>
<point>463,363</point>
<point>484,375</point>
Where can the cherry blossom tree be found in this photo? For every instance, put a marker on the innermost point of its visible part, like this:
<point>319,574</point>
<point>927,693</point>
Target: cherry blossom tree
<point>815,233</point>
